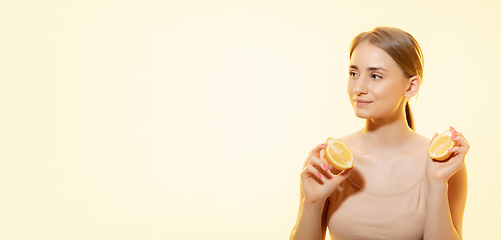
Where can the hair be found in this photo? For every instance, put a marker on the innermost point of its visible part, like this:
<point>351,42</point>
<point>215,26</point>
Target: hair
<point>402,48</point>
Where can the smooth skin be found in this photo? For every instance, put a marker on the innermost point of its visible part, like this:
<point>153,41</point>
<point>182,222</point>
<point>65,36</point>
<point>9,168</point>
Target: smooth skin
<point>389,156</point>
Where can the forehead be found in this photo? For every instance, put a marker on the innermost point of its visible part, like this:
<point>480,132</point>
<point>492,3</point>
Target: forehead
<point>367,55</point>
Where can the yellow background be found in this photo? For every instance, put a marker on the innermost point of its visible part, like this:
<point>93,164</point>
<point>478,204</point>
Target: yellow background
<point>192,119</point>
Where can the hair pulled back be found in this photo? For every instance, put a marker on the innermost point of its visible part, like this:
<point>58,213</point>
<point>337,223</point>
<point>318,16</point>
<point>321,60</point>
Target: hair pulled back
<point>402,48</point>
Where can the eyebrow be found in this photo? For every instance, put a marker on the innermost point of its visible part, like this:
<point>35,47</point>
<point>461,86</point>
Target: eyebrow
<point>369,68</point>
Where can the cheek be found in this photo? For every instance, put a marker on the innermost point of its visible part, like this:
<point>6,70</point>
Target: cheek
<point>380,92</point>
<point>388,93</point>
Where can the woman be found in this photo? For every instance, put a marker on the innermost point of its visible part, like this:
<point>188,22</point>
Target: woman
<point>394,190</point>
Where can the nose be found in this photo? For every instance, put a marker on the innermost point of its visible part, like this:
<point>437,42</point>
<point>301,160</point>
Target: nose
<point>361,87</point>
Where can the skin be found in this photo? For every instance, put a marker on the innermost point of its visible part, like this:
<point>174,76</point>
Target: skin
<point>389,156</point>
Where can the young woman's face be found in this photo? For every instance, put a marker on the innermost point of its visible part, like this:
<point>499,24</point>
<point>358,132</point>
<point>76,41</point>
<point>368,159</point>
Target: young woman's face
<point>376,85</point>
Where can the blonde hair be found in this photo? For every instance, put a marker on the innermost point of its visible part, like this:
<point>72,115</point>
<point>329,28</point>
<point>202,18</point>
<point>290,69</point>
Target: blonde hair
<point>402,48</point>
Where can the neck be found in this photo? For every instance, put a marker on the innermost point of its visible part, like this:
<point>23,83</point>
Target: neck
<point>387,134</point>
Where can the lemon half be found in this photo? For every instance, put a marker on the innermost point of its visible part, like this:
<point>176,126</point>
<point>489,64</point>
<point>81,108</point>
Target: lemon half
<point>439,148</point>
<point>338,154</point>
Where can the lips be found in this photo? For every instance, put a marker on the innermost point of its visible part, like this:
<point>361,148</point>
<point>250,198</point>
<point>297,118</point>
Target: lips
<point>362,102</point>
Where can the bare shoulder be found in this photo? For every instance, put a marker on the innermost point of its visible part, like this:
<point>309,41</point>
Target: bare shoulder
<point>421,140</point>
<point>352,139</point>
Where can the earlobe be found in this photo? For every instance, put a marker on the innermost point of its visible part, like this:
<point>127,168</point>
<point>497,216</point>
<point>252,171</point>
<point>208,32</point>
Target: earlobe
<point>414,84</point>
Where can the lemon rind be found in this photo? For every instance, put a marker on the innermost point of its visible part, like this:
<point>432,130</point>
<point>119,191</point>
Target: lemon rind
<point>335,164</point>
<point>445,155</point>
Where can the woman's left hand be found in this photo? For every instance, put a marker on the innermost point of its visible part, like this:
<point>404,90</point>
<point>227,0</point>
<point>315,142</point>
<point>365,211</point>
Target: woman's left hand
<point>441,171</point>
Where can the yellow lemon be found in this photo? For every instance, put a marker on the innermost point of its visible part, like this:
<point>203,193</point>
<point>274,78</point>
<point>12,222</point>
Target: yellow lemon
<point>439,148</point>
<point>338,154</point>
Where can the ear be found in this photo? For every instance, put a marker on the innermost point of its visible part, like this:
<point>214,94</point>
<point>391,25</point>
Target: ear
<point>413,86</point>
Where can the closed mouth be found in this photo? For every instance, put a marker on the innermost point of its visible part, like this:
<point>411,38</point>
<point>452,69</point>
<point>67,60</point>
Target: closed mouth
<point>362,101</point>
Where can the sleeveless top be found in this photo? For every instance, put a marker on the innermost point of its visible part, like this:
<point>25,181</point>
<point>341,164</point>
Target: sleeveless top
<point>355,213</point>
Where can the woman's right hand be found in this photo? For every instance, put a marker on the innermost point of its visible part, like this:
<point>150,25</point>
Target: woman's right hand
<point>318,181</point>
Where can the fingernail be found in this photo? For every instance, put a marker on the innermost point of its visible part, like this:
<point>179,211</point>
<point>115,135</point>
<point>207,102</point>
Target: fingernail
<point>450,150</point>
<point>453,129</point>
<point>319,176</point>
<point>323,144</point>
<point>454,132</point>
<point>453,136</point>
<point>325,167</point>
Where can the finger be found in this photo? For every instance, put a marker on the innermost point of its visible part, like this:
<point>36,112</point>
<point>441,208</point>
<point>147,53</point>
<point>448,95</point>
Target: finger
<point>460,142</point>
<point>346,172</point>
<point>321,165</point>
<point>455,132</point>
<point>460,146</point>
<point>459,134</point>
<point>455,151</point>
<point>344,175</point>
<point>310,171</point>
<point>316,151</point>
<point>458,150</point>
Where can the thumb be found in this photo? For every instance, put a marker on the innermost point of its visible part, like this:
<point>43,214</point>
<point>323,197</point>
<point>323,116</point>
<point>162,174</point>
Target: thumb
<point>344,175</point>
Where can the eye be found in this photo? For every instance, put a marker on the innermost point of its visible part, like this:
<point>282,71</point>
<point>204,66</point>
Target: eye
<point>374,76</point>
<point>353,74</point>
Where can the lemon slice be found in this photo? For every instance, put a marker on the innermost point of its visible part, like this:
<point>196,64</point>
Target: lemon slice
<point>338,154</point>
<point>439,148</point>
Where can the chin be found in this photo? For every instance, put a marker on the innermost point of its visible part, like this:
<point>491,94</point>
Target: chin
<point>367,114</point>
<point>362,114</point>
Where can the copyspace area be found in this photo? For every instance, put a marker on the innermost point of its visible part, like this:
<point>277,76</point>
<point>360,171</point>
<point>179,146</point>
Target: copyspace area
<point>192,119</point>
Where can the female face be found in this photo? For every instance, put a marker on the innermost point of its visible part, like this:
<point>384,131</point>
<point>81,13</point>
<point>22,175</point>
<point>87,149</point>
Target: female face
<point>377,84</point>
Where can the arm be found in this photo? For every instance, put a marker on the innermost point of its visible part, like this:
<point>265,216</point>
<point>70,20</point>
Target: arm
<point>447,190</point>
<point>310,223</point>
<point>317,184</point>
<point>445,207</point>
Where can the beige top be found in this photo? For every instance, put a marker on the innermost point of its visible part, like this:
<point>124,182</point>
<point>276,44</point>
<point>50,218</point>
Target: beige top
<point>355,213</point>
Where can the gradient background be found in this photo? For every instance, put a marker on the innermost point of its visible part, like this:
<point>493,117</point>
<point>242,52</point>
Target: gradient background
<point>192,119</point>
